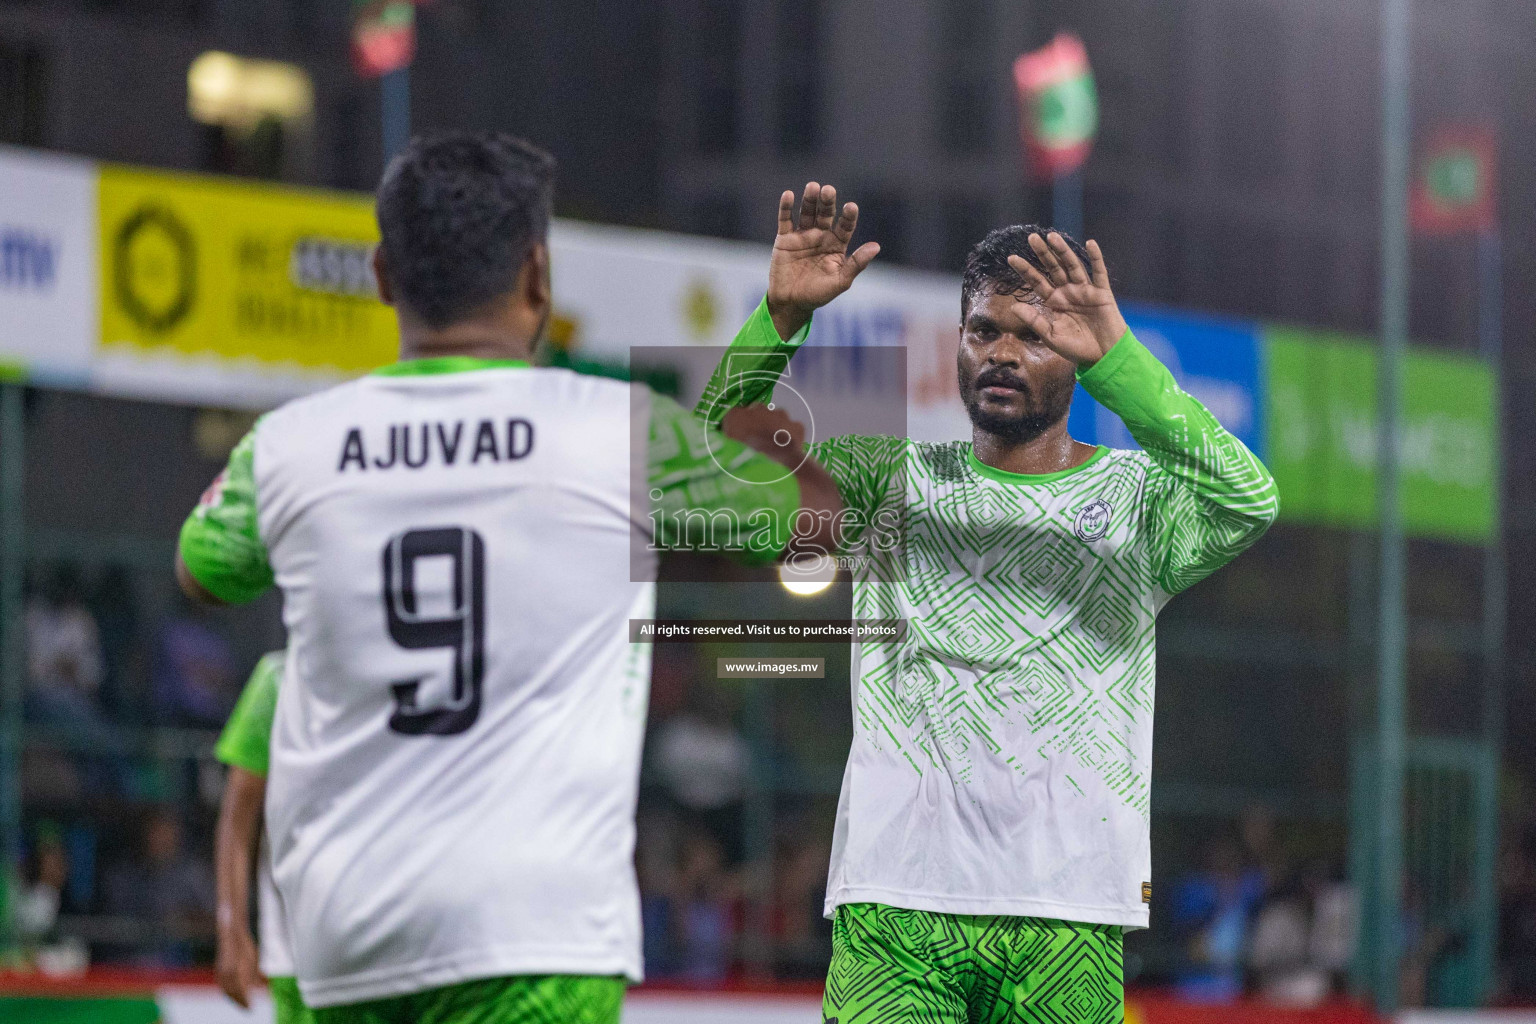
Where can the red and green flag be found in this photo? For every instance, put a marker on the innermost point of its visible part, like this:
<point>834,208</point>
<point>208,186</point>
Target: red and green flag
<point>1059,106</point>
<point>383,36</point>
<point>1455,187</point>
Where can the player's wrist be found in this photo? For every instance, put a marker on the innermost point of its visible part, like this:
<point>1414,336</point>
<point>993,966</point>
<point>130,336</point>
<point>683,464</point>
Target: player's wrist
<point>788,317</point>
<point>1107,332</point>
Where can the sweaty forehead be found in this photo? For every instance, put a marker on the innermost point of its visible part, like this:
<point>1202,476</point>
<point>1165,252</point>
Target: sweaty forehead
<point>996,304</point>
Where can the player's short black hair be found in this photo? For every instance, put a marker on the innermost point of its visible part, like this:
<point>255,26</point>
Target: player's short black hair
<point>459,213</point>
<point>986,265</point>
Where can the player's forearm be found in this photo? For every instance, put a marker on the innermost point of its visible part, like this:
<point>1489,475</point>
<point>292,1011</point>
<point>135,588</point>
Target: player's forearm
<point>756,359</point>
<point>1180,434</point>
<point>191,587</point>
<point>235,840</point>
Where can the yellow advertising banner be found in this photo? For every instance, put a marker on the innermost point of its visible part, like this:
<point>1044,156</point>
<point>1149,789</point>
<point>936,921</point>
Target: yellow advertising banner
<point>213,270</point>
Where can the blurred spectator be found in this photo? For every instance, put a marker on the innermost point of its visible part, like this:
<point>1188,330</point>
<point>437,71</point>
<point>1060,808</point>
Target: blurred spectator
<point>115,604</point>
<point>1303,938</point>
<point>64,675</point>
<point>165,888</point>
<point>656,871</point>
<point>1517,919</point>
<point>194,671</point>
<point>1263,859</point>
<point>802,935</point>
<point>689,906</point>
<point>702,761</point>
<point>39,896</point>
<point>64,662</point>
<point>1212,909</point>
<point>704,911</point>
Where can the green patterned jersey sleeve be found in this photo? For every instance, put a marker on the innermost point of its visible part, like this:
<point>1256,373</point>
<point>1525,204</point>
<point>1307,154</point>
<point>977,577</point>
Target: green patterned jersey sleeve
<point>863,467</point>
<point>246,741</point>
<point>709,492</point>
<point>220,543</point>
<point>753,364</point>
<point>870,476</point>
<point>1208,497</point>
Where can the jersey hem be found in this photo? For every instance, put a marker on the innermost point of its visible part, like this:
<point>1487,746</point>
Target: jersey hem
<point>407,979</point>
<point>1128,917</point>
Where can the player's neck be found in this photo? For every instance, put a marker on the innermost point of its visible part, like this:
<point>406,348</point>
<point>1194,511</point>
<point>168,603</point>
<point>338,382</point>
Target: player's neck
<point>1050,451</point>
<point>497,336</point>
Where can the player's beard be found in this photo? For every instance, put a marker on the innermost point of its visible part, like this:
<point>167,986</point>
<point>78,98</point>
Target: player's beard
<point>1046,404</point>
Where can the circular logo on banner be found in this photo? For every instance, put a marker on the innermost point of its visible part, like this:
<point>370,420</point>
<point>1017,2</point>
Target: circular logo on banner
<point>1092,520</point>
<point>155,268</point>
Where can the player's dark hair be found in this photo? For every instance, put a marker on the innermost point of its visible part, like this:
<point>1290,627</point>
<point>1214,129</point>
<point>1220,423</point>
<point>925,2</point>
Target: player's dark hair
<point>459,213</point>
<point>986,265</point>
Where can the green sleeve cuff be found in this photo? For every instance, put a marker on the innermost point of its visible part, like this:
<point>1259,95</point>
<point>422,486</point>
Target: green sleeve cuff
<point>1122,353</point>
<point>759,332</point>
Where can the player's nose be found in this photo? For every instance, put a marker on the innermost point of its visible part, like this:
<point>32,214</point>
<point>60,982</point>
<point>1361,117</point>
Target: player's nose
<point>1007,351</point>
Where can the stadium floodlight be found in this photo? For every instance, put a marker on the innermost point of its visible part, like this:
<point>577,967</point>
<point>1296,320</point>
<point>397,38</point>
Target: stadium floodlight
<point>806,578</point>
<point>238,91</point>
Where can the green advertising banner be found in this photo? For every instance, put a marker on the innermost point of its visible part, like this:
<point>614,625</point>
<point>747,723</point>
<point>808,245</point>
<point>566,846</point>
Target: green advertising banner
<point>1322,435</point>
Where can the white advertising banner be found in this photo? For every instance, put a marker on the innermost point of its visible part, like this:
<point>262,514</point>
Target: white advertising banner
<point>616,288</point>
<point>48,266</point>
<point>200,289</point>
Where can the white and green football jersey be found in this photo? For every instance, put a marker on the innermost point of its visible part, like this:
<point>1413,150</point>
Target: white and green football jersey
<point>460,545</point>
<point>1002,753</point>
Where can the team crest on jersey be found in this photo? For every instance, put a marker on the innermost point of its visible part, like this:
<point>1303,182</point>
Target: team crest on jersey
<point>215,492</point>
<point>1092,521</point>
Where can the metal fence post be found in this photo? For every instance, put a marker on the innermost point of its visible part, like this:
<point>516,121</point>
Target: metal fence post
<point>1392,634</point>
<point>12,639</point>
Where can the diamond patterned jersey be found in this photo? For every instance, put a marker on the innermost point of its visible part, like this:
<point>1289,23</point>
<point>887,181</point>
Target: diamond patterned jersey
<point>1002,753</point>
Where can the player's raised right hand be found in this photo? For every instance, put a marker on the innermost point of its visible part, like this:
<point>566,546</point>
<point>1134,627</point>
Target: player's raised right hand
<point>811,264</point>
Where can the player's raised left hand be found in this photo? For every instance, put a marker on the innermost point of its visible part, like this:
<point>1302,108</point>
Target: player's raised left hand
<point>1071,307</point>
<point>811,264</point>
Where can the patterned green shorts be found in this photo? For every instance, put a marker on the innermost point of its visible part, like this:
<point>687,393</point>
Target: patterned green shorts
<point>288,1003</point>
<point>541,999</point>
<point>894,966</point>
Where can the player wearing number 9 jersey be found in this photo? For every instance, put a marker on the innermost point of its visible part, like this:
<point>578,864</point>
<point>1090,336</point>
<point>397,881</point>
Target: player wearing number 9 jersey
<point>460,540</point>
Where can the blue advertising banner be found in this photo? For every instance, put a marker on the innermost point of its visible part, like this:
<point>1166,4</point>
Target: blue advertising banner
<point>1219,361</point>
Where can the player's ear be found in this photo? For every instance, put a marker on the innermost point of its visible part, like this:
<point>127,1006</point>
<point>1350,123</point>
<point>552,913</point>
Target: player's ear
<point>381,275</point>
<point>535,277</point>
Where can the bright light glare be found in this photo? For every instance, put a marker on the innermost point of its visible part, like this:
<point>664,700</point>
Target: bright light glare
<point>225,89</point>
<point>810,577</point>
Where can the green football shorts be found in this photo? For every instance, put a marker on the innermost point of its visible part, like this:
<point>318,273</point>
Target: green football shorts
<point>891,965</point>
<point>530,999</point>
<point>287,1002</point>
